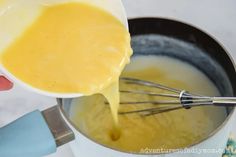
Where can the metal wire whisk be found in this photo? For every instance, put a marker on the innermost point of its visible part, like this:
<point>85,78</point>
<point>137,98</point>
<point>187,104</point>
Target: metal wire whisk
<point>177,99</point>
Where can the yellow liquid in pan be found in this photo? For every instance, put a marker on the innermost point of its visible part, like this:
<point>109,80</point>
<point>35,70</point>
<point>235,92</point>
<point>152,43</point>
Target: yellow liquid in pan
<point>174,129</point>
<point>71,48</point>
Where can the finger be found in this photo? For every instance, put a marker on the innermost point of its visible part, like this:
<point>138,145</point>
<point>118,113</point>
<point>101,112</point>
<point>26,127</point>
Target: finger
<point>5,84</point>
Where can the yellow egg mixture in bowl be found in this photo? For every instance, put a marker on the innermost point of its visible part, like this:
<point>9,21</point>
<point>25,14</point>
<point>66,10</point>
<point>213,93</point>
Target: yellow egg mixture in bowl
<point>56,47</point>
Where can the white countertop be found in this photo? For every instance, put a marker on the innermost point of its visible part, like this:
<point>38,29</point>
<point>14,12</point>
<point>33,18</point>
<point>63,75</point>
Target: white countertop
<point>217,17</point>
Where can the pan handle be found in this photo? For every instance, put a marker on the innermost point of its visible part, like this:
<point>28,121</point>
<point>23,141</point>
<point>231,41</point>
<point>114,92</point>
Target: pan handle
<point>35,134</point>
<point>28,136</point>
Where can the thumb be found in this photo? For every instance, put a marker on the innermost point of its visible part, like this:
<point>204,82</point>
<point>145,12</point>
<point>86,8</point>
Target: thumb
<point>5,84</point>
